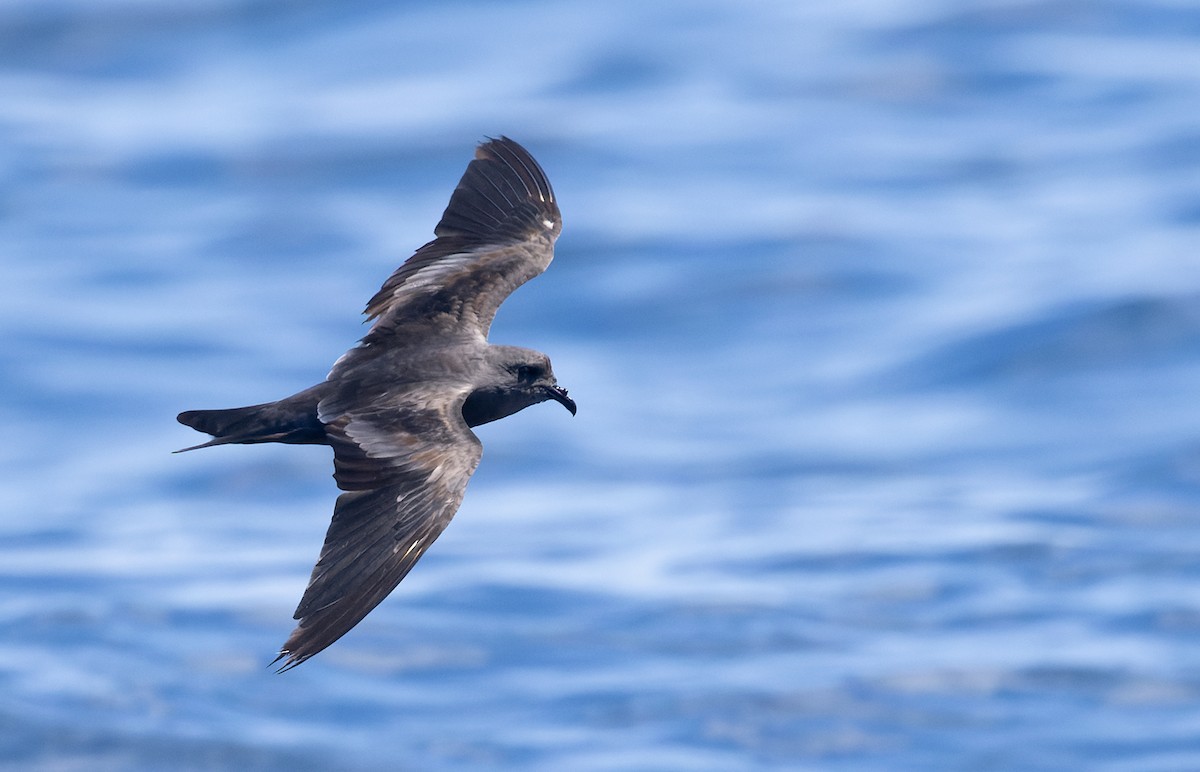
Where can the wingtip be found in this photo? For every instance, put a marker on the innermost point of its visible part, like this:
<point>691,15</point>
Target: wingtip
<point>488,143</point>
<point>503,193</point>
<point>292,661</point>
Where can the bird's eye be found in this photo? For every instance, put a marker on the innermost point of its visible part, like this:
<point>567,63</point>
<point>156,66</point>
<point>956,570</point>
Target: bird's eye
<point>528,372</point>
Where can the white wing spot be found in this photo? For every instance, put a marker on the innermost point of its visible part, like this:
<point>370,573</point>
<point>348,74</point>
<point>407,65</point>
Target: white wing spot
<point>411,547</point>
<point>549,224</point>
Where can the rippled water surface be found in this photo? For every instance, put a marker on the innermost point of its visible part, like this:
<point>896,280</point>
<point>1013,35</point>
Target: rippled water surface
<point>883,318</point>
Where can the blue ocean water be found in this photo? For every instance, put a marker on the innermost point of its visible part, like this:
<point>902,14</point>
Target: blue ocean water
<point>883,318</point>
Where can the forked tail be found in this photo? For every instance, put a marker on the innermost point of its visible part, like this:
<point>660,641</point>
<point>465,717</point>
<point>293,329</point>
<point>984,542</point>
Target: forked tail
<point>292,420</point>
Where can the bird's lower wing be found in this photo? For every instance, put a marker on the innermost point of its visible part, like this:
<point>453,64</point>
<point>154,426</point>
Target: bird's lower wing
<point>405,472</point>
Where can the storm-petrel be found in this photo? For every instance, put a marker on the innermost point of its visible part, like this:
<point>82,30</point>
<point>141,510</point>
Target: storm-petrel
<point>398,407</point>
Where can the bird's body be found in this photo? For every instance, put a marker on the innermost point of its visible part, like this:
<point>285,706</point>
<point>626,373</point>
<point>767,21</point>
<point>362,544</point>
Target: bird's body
<point>398,407</point>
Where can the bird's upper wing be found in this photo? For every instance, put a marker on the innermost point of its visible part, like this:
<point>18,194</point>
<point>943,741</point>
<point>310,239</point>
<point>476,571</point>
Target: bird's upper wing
<point>497,233</point>
<point>404,468</point>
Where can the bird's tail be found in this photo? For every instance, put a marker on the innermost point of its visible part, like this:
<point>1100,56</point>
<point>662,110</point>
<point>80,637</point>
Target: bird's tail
<point>293,420</point>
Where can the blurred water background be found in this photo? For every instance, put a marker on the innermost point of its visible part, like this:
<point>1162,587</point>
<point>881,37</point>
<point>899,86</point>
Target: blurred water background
<point>883,318</point>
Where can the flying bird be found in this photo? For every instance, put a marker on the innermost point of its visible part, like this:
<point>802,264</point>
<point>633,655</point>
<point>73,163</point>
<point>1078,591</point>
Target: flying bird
<point>398,407</point>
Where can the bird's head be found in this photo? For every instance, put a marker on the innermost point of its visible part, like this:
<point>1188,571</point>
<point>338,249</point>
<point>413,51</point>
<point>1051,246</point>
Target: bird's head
<point>517,378</point>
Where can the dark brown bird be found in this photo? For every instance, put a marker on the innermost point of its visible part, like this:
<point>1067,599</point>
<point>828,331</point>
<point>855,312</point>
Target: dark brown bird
<point>398,407</point>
